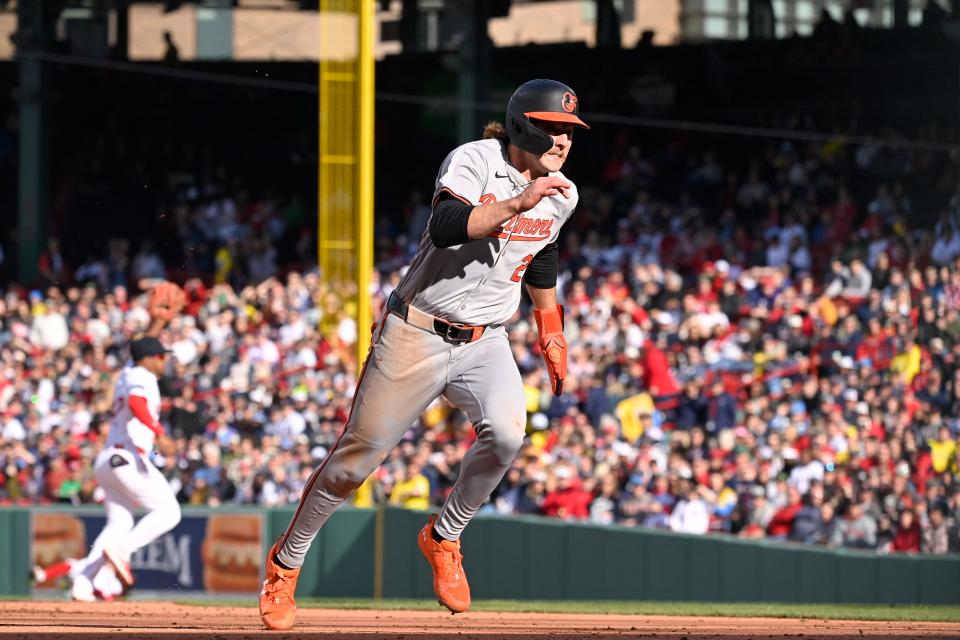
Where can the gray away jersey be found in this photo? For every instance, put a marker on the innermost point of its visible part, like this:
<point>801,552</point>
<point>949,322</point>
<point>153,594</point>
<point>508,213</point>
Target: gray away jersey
<point>479,282</point>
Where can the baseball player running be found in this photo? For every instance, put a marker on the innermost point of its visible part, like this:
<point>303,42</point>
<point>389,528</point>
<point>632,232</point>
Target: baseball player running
<point>129,480</point>
<point>498,207</point>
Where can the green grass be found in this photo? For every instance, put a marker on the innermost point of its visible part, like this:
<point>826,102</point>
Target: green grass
<point>942,613</point>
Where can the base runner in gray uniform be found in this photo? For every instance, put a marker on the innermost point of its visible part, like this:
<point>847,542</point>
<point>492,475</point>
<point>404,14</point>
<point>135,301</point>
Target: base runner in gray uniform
<point>498,207</point>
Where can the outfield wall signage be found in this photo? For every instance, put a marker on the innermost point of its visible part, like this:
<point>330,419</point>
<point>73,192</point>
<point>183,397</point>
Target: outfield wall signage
<point>211,552</point>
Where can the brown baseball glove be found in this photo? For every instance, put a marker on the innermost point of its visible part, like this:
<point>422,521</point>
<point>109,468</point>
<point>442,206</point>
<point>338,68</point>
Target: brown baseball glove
<point>165,301</point>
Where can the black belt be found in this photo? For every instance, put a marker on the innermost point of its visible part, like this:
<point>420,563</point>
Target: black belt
<point>451,331</point>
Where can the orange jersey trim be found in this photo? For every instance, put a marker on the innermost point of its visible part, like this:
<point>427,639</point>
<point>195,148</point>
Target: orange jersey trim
<point>452,193</point>
<point>316,472</point>
<point>503,236</point>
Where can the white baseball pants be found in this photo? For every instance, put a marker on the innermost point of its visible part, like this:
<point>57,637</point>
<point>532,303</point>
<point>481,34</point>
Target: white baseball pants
<point>406,370</point>
<point>130,483</point>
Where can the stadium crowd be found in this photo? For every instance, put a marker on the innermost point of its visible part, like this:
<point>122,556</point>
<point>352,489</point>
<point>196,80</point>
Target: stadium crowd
<point>769,351</point>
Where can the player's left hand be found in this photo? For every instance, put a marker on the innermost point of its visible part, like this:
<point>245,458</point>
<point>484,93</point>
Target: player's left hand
<point>553,345</point>
<point>166,300</point>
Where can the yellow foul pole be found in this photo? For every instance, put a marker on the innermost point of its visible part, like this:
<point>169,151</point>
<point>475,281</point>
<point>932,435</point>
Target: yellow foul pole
<point>345,173</point>
<point>365,131</point>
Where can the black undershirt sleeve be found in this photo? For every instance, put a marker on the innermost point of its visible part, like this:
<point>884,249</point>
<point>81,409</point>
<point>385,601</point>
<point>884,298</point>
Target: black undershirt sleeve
<point>541,273</point>
<point>448,223</point>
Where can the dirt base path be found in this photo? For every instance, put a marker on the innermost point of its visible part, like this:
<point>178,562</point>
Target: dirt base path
<point>67,620</point>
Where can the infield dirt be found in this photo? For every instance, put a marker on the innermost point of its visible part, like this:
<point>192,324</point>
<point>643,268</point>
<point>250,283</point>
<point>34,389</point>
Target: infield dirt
<point>67,620</point>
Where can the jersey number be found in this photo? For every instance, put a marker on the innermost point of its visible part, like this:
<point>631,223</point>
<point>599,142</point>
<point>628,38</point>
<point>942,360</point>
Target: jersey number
<point>518,273</point>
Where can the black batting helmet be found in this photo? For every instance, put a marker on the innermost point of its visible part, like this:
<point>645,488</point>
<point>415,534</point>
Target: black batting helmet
<point>540,100</point>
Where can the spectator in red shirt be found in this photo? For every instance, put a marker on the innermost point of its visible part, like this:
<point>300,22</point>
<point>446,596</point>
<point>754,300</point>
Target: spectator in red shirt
<point>782,522</point>
<point>876,345</point>
<point>568,500</point>
<point>658,379</point>
<point>907,539</point>
<point>55,477</point>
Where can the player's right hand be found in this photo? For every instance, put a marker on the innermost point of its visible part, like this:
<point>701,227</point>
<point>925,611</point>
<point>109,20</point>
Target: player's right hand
<point>543,188</point>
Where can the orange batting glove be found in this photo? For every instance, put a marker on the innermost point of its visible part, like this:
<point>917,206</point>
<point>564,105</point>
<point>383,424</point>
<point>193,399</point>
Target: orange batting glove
<point>553,345</point>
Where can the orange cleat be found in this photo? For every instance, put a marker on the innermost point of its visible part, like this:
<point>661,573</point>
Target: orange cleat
<point>449,579</point>
<point>278,609</point>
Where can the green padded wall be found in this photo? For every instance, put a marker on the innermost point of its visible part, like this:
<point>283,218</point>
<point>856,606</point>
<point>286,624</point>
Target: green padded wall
<point>538,558</point>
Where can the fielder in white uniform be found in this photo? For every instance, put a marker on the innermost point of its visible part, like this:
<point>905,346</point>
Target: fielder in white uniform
<point>129,480</point>
<point>498,207</point>
<point>106,584</point>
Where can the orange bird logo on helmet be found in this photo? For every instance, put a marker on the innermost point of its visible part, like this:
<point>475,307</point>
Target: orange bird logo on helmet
<point>568,102</point>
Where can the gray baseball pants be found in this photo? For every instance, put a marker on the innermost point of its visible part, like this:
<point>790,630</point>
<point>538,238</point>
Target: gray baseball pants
<point>406,370</point>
